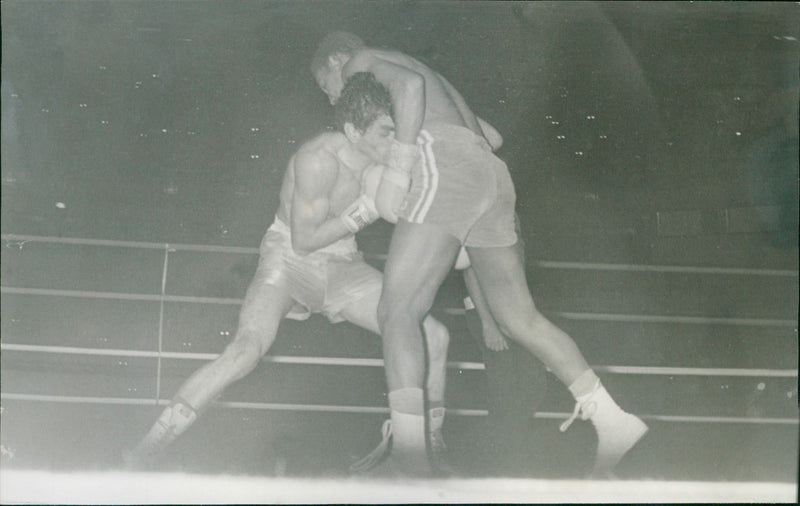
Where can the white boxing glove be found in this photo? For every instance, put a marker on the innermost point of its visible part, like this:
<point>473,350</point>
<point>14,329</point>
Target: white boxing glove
<point>371,180</point>
<point>359,214</point>
<point>401,159</point>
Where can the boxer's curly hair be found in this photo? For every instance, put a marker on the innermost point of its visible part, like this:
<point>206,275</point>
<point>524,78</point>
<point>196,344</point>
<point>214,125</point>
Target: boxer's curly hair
<point>363,99</point>
<point>334,43</point>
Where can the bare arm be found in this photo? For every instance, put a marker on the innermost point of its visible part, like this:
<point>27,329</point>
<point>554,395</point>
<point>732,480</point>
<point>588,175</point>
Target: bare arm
<point>406,87</point>
<point>312,228</point>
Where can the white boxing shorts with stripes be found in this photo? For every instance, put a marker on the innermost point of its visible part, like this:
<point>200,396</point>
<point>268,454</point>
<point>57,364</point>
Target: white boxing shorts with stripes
<point>325,281</point>
<point>461,187</point>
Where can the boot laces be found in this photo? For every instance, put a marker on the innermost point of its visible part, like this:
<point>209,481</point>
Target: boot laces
<point>437,442</point>
<point>583,409</point>
<point>371,460</point>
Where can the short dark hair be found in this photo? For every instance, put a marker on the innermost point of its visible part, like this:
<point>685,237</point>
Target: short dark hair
<point>334,43</point>
<point>363,99</point>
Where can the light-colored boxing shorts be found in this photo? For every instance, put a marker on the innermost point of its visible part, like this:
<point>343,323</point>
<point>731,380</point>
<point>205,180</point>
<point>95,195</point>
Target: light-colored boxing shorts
<point>325,281</point>
<point>461,187</point>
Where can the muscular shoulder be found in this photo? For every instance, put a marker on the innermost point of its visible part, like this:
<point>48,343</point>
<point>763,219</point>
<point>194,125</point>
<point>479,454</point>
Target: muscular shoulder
<point>361,60</point>
<point>364,59</point>
<point>315,164</point>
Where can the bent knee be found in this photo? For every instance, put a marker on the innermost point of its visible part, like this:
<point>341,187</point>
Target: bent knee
<point>523,327</point>
<point>394,312</point>
<point>244,353</point>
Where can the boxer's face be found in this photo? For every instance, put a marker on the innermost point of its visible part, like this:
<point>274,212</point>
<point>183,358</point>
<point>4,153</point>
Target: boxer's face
<point>376,140</point>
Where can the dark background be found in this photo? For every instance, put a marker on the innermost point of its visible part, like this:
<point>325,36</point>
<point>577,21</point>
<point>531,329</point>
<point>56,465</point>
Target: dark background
<point>173,121</point>
<point>642,133</point>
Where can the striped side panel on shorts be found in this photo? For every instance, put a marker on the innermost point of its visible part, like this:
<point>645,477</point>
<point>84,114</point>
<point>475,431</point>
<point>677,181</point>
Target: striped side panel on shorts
<point>430,179</point>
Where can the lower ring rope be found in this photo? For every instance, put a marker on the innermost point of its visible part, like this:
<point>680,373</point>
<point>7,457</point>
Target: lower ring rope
<point>378,362</point>
<point>548,264</point>
<point>377,410</point>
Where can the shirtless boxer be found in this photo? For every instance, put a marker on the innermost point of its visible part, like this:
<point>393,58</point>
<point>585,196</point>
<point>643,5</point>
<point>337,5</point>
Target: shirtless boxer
<point>445,188</point>
<point>309,262</point>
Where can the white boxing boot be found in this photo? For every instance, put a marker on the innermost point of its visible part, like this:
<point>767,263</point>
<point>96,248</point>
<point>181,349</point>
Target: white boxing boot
<point>173,421</point>
<point>407,455</point>
<point>438,447</point>
<point>617,430</point>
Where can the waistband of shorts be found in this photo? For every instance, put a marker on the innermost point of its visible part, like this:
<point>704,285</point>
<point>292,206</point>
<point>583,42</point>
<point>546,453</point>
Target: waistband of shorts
<point>278,225</point>
<point>344,246</point>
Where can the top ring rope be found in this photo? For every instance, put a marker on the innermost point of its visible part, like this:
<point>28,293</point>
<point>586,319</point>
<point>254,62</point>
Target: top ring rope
<point>22,239</point>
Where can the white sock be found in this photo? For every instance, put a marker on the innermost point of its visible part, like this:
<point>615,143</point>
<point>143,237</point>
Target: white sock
<point>407,407</point>
<point>584,385</point>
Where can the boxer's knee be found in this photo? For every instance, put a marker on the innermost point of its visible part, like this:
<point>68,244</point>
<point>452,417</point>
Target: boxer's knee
<point>529,327</point>
<point>244,353</point>
<point>398,315</point>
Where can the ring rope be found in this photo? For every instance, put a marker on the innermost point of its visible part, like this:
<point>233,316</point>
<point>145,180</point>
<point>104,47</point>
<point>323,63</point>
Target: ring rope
<point>699,320</point>
<point>279,359</point>
<point>696,320</point>
<point>161,319</point>
<point>20,240</point>
<point>665,268</point>
<point>633,318</point>
<point>691,419</point>
<point>120,296</point>
<point>377,362</point>
<point>378,410</point>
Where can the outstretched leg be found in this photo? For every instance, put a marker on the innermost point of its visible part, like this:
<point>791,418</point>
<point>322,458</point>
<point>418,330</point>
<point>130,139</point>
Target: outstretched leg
<point>501,276</point>
<point>264,308</point>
